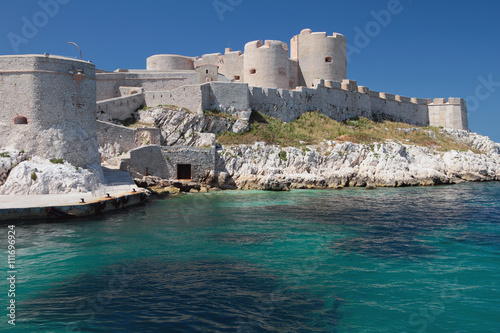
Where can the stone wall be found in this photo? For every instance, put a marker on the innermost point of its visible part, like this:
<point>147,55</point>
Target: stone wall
<point>121,139</point>
<point>451,113</point>
<point>229,97</point>
<point>202,160</point>
<point>337,100</point>
<point>163,162</point>
<point>341,101</point>
<point>121,108</point>
<point>48,107</point>
<point>108,84</point>
<point>195,98</point>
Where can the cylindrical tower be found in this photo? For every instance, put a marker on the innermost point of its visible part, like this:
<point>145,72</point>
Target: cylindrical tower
<point>319,56</point>
<point>170,62</point>
<point>267,65</point>
<point>48,107</point>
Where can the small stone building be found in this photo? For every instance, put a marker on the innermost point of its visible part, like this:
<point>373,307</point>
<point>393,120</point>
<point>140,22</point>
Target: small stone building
<point>172,162</point>
<point>207,73</point>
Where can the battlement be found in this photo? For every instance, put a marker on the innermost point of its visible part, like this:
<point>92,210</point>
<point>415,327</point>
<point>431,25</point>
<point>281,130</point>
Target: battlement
<point>267,44</point>
<point>231,52</point>
<point>449,101</point>
<point>208,55</point>
<point>309,32</point>
<point>352,86</point>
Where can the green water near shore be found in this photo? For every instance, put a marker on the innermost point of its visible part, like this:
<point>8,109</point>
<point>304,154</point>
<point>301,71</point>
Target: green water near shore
<point>389,260</point>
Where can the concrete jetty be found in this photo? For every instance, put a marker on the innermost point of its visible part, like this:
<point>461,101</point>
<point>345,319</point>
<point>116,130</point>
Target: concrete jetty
<point>118,192</point>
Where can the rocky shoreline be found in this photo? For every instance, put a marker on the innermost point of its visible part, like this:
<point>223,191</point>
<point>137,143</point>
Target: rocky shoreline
<point>344,164</point>
<point>334,165</point>
<point>260,166</point>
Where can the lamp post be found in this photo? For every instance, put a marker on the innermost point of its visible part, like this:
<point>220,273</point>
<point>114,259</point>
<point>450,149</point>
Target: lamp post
<point>78,48</point>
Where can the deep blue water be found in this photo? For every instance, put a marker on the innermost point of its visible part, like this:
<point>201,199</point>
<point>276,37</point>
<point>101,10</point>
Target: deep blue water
<point>387,260</point>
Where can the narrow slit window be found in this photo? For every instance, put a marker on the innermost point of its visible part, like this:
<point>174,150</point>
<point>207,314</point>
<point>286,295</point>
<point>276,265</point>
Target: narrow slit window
<point>328,59</point>
<point>236,78</point>
<point>253,71</point>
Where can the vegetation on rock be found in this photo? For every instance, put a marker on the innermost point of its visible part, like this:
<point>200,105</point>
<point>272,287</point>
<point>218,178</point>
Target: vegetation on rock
<point>313,128</point>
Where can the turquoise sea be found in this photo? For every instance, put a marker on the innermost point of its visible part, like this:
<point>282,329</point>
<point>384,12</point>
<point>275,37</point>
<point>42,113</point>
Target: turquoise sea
<point>421,259</point>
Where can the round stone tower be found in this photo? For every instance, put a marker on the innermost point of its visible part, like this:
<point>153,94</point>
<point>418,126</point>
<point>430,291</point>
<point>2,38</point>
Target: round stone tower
<point>267,65</point>
<point>48,107</point>
<point>319,56</point>
<point>170,62</point>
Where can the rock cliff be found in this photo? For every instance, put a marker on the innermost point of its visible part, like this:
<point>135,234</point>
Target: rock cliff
<point>334,164</point>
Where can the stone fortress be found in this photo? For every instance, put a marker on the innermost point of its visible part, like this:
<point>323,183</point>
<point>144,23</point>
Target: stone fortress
<point>270,78</point>
<point>49,104</point>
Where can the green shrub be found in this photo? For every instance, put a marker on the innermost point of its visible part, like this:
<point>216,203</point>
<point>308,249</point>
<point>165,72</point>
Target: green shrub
<point>282,155</point>
<point>56,160</point>
<point>33,176</point>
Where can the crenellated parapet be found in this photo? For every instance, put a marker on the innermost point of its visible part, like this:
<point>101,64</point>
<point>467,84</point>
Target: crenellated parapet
<point>448,113</point>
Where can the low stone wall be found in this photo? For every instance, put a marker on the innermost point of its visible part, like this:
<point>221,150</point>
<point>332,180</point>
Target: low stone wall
<point>195,98</point>
<point>120,108</point>
<point>115,139</point>
<point>111,134</point>
<point>108,84</point>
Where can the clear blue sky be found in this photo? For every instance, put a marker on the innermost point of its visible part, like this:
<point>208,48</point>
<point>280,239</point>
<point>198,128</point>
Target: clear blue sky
<point>424,49</point>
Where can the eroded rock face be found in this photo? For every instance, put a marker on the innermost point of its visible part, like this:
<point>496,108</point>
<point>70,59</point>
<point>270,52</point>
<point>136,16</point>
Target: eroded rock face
<point>180,127</point>
<point>9,158</point>
<point>40,176</point>
<point>334,164</point>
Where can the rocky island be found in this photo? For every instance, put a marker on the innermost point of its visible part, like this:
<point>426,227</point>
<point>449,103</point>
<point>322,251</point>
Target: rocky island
<point>272,117</point>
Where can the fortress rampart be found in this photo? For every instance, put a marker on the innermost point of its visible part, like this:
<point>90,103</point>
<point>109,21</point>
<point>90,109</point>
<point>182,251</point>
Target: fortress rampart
<point>47,107</point>
<point>337,100</point>
<point>278,81</point>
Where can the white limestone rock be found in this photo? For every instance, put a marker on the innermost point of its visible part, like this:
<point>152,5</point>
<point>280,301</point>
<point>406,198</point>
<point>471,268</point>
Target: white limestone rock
<point>9,158</point>
<point>40,176</point>
<point>180,127</point>
<point>333,164</point>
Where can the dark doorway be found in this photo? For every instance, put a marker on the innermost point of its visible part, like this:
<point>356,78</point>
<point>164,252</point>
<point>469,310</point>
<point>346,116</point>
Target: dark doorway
<point>183,171</point>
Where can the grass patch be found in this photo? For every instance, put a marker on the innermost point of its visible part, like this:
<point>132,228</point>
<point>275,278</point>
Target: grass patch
<point>218,114</point>
<point>312,128</point>
<point>4,154</point>
<point>56,161</point>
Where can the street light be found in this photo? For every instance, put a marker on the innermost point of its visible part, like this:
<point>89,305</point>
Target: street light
<point>78,48</point>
